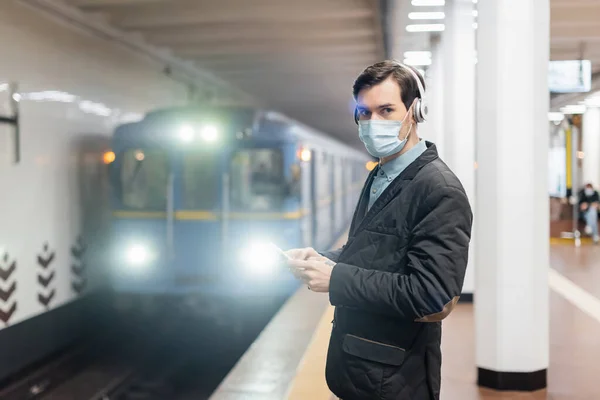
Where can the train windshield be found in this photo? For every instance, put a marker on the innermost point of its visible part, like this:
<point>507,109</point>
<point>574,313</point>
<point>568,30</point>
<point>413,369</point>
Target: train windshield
<point>257,181</point>
<point>144,179</point>
<point>200,180</point>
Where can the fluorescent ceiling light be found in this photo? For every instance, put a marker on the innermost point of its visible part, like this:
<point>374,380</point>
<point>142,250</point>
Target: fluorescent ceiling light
<point>425,28</point>
<point>475,25</point>
<point>417,54</point>
<point>428,3</point>
<point>555,116</point>
<point>592,101</point>
<point>417,61</point>
<point>573,109</point>
<point>426,15</point>
<point>475,13</point>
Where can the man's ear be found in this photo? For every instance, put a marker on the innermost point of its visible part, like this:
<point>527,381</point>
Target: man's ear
<point>412,110</point>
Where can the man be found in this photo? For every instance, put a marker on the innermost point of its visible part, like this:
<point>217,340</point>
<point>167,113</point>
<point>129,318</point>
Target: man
<point>588,205</point>
<point>401,271</point>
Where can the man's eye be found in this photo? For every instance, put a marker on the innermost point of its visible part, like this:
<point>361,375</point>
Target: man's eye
<point>363,112</point>
<point>388,110</point>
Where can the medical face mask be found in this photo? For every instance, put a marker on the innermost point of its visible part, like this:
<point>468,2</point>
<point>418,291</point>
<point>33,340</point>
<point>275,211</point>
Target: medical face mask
<point>589,192</point>
<point>380,137</point>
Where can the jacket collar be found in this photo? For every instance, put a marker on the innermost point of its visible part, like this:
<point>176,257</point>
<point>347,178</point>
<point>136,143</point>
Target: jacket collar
<point>360,220</point>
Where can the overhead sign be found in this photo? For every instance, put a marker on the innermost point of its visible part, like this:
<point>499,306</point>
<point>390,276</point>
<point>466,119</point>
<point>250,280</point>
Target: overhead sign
<point>570,76</point>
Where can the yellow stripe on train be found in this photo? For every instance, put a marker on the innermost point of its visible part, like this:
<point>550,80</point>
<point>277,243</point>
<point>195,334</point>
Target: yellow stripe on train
<point>200,215</point>
<point>190,215</point>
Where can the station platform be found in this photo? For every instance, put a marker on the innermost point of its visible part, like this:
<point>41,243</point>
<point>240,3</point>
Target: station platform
<point>287,360</point>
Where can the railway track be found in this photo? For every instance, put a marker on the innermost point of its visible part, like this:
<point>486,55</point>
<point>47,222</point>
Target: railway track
<point>150,384</point>
<point>48,376</point>
<point>176,357</point>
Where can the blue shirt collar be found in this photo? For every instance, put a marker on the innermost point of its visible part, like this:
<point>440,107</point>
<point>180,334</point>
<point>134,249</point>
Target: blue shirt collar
<point>394,167</point>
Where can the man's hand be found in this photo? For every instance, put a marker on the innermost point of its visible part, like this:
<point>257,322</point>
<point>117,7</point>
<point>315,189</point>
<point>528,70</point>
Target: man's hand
<point>302,254</point>
<point>315,272</point>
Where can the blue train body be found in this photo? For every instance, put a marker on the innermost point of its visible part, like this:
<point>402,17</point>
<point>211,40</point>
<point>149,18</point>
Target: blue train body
<point>197,193</point>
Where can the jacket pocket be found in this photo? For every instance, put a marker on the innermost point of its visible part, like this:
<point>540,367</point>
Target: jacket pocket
<point>373,351</point>
<point>366,362</point>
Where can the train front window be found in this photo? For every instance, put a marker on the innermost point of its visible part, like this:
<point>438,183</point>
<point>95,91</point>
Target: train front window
<point>200,180</point>
<point>257,180</point>
<point>144,178</point>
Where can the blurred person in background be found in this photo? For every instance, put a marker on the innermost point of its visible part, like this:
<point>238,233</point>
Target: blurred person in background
<point>402,269</point>
<point>588,207</point>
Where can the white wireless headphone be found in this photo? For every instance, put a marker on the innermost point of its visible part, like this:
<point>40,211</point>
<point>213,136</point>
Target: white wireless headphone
<point>420,109</point>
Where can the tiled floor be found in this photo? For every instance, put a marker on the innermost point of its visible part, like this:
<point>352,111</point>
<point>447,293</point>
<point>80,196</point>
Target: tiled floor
<point>581,265</point>
<point>574,370</point>
<point>574,347</point>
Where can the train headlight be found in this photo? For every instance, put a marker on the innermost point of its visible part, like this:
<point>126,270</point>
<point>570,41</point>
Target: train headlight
<point>210,133</point>
<point>186,133</point>
<point>259,258</point>
<point>138,255</point>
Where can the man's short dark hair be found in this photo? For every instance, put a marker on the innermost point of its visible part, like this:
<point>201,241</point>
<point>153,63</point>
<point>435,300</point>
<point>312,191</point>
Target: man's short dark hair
<point>379,72</point>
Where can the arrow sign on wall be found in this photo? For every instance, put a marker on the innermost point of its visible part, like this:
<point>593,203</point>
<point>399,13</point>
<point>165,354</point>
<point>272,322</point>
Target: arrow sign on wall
<point>5,315</point>
<point>45,300</point>
<point>45,281</point>
<point>5,294</point>
<point>5,273</point>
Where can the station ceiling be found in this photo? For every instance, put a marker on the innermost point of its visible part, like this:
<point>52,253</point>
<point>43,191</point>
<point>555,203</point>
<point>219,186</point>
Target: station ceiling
<point>575,30</point>
<point>575,34</point>
<point>301,57</point>
<point>298,57</point>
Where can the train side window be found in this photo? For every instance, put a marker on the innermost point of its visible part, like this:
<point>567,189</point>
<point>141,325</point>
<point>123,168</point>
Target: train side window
<point>324,188</point>
<point>295,182</point>
<point>257,180</point>
<point>144,179</point>
<point>200,180</point>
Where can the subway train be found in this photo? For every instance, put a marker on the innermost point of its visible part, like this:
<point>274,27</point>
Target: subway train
<point>201,194</point>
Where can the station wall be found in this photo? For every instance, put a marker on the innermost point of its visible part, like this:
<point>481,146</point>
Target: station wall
<point>73,89</point>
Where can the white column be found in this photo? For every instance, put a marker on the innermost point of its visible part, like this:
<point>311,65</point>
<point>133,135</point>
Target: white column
<point>459,105</point>
<point>591,147</point>
<point>435,96</point>
<point>511,306</point>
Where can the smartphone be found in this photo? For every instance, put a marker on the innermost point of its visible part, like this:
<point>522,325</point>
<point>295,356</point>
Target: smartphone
<point>280,253</point>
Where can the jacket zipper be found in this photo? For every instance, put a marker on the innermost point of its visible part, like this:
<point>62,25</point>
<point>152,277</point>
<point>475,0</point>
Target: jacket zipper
<point>372,341</point>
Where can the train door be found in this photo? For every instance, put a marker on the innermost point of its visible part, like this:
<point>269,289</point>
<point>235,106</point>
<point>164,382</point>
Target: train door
<point>196,225</point>
<point>141,176</point>
<point>345,186</point>
<point>313,197</point>
<point>323,214</point>
<point>332,191</point>
<point>338,198</point>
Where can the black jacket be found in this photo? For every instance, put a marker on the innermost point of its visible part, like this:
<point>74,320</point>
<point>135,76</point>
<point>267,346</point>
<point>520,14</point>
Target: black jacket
<point>400,273</point>
<point>583,198</point>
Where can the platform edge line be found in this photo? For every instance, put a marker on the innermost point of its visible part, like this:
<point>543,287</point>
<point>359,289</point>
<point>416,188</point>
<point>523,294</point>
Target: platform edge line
<point>302,362</point>
<point>316,333</point>
<point>576,295</point>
